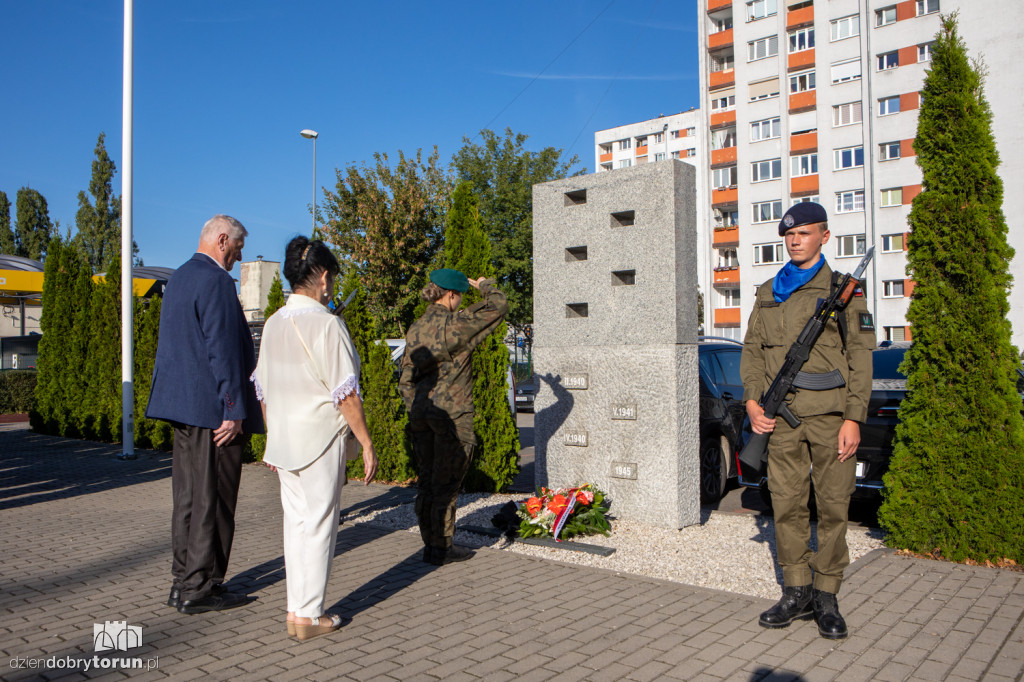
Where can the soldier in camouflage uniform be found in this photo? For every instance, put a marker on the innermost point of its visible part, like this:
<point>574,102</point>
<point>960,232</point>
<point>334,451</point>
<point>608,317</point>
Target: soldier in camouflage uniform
<point>822,447</point>
<point>437,387</point>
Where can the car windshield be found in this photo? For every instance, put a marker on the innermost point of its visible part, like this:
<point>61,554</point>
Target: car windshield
<point>886,363</point>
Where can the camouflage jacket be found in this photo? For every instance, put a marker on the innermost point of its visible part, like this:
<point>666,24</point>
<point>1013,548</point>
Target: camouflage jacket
<point>437,368</point>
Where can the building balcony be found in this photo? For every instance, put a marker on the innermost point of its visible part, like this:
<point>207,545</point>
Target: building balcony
<point>721,79</point>
<point>803,185</point>
<point>907,55</point>
<point>910,100</point>
<point>908,287</point>
<point>724,155</point>
<point>727,317</point>
<point>641,151</point>
<point>909,192</point>
<point>907,148</point>
<point>723,118</point>
<point>715,5</point>
<point>906,10</point>
<point>726,236</point>
<point>803,101</point>
<point>800,17</point>
<point>605,158</point>
<point>801,60</point>
<point>720,39</point>
<point>808,142</point>
<point>727,275</point>
<point>725,197</point>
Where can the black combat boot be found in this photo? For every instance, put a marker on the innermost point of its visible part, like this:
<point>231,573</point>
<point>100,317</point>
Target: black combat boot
<point>826,614</point>
<point>451,555</point>
<point>795,604</point>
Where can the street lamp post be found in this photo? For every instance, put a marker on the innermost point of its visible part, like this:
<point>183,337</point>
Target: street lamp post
<point>312,135</point>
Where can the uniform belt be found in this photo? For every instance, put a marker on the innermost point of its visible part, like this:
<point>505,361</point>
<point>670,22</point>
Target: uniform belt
<point>810,381</point>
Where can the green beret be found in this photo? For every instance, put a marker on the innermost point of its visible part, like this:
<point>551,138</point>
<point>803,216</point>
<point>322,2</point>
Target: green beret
<point>446,278</point>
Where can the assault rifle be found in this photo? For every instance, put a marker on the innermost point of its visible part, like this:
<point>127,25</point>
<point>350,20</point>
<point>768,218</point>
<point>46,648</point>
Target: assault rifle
<point>339,308</point>
<point>773,401</point>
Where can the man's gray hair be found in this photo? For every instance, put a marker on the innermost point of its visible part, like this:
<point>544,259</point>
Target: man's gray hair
<point>222,224</point>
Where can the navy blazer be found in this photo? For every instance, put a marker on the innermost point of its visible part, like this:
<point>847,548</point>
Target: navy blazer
<point>205,355</point>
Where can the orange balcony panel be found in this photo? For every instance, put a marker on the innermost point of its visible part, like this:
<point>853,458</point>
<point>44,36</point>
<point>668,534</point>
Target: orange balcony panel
<point>640,151</point>
<point>802,101</point>
<point>718,4</point>
<point>908,287</point>
<point>801,60</point>
<point>909,100</point>
<point>727,276</point>
<point>724,197</point>
<point>720,39</point>
<point>907,148</point>
<point>725,155</point>
<point>721,79</point>
<point>800,17</point>
<point>906,10</point>
<point>605,157</point>
<point>808,142</point>
<point>906,240</point>
<point>908,55</point>
<point>907,336</point>
<point>723,118</point>
<point>909,192</point>
<point>804,184</point>
<point>726,236</point>
<point>727,317</point>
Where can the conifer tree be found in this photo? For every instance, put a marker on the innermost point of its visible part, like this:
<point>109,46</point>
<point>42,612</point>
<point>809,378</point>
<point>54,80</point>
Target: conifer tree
<point>99,222</point>
<point>467,248</point>
<point>34,228</point>
<point>152,433</point>
<point>77,386</point>
<point>275,297</point>
<point>55,326</point>
<point>955,485</point>
<point>357,318</point>
<point>103,369</point>
<point>7,244</point>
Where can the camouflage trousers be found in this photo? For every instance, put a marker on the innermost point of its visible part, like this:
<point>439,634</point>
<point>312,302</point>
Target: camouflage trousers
<point>442,455</point>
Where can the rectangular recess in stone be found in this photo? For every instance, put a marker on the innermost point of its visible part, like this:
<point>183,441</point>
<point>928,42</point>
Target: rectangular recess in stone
<point>576,382</point>
<point>624,470</point>
<point>577,310</point>
<point>576,197</point>
<point>623,218</point>
<point>575,253</point>
<point>623,278</point>
<point>575,437</point>
<point>624,411</point>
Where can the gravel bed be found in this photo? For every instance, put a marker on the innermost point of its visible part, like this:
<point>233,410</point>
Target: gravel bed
<point>726,551</point>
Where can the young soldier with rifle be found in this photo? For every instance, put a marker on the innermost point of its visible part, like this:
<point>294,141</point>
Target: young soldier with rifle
<point>807,358</point>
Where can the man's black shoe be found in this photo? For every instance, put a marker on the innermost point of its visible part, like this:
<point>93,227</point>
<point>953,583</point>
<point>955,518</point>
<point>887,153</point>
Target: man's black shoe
<point>795,604</point>
<point>826,614</point>
<point>214,602</point>
<point>175,597</point>
<point>454,553</point>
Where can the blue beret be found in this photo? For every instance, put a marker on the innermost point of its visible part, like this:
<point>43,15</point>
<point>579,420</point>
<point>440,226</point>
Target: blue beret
<point>804,213</point>
<point>446,278</point>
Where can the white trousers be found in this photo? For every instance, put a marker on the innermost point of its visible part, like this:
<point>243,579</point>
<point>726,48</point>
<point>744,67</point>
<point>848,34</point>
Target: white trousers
<point>311,499</point>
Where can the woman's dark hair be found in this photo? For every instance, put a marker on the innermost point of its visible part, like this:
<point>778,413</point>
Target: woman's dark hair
<point>304,260</point>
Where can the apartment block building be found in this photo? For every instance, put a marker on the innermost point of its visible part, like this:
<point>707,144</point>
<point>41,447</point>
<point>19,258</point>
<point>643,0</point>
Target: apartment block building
<point>817,100</point>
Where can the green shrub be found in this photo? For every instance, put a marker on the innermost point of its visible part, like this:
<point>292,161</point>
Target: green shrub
<point>17,390</point>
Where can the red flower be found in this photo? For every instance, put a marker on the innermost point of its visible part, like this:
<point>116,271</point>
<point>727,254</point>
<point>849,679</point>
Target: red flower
<point>533,505</point>
<point>581,498</point>
<point>557,504</point>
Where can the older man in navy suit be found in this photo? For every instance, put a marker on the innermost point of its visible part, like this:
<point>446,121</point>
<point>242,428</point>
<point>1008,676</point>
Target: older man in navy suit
<point>201,386</point>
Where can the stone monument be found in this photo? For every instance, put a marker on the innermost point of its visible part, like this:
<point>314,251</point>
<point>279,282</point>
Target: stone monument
<point>615,339</point>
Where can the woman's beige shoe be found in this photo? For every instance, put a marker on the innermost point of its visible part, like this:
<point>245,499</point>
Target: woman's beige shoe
<point>320,626</point>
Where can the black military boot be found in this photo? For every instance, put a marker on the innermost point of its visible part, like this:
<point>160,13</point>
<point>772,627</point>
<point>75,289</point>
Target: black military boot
<point>451,555</point>
<point>826,614</point>
<point>795,604</point>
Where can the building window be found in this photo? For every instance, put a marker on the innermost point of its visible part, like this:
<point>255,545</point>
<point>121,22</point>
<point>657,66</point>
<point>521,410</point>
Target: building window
<point>722,24</point>
<point>727,258</point>
<point>763,89</point>
<point>892,243</point>
<point>892,288</point>
<point>848,70</point>
<point>691,152</point>
<point>723,139</point>
<point>626,144</point>
<point>769,169</point>
<point>675,155</point>
<point>924,52</point>
<point>767,211</point>
<point>763,48</point>
<point>847,114</point>
<point>851,157</point>
<point>889,105</point>
<point>895,334</point>
<point>927,6</point>
<point>659,138</point>
<point>846,27</point>
<point>690,132</point>
<point>723,178</point>
<point>851,245</point>
<point>727,218</point>
<point>800,200</point>
<point>660,156</point>
<point>727,103</point>
<point>850,201</point>
<point>730,298</point>
<point>641,142</point>
<point>624,163</point>
<point>885,16</point>
<point>766,254</point>
<point>722,63</point>
<point>765,130</point>
<point>892,197</point>
<point>805,164</point>
<point>888,60</point>
<point>759,9</point>
<point>801,39</point>
<point>888,151</point>
<point>801,82</point>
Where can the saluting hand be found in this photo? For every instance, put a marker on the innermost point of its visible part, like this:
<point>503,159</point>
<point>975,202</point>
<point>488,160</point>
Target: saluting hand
<point>475,283</point>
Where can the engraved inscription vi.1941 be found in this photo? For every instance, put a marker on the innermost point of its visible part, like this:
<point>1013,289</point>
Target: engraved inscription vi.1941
<point>576,382</point>
<point>577,437</point>
<point>624,470</point>
<point>624,411</point>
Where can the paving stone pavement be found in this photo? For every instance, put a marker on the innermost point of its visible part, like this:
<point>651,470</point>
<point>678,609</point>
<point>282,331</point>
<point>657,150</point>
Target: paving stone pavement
<point>86,540</point>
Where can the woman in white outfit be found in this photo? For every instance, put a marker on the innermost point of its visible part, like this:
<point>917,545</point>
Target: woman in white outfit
<point>307,380</point>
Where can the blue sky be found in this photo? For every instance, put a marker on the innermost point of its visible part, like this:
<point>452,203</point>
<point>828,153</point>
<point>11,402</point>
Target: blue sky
<point>222,89</point>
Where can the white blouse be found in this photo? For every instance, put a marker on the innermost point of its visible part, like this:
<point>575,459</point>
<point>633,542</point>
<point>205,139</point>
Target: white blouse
<point>307,365</point>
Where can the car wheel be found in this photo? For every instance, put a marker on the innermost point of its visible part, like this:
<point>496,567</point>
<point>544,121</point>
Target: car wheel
<point>714,471</point>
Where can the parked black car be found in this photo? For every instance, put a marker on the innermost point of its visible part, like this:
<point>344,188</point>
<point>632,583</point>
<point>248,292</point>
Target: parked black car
<point>721,413</point>
<point>525,395</point>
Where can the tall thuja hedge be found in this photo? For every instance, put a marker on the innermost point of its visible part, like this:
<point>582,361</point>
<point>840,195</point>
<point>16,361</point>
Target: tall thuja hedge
<point>49,415</point>
<point>467,248</point>
<point>77,406</point>
<point>149,433</point>
<point>956,481</point>
<point>103,366</point>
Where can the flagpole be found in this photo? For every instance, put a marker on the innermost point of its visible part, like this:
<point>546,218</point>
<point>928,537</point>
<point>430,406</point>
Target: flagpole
<point>127,392</point>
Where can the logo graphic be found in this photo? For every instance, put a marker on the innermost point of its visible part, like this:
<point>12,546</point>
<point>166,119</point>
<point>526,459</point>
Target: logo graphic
<point>116,635</point>
<point>788,221</point>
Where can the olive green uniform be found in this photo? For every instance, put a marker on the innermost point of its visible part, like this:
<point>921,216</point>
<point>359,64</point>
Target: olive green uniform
<point>810,451</point>
<point>437,387</point>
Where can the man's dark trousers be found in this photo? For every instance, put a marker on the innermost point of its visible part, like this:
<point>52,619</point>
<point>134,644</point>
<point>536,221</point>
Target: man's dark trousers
<point>204,480</point>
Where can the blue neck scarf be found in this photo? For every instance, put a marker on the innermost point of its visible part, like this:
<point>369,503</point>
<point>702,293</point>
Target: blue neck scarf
<point>791,278</point>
